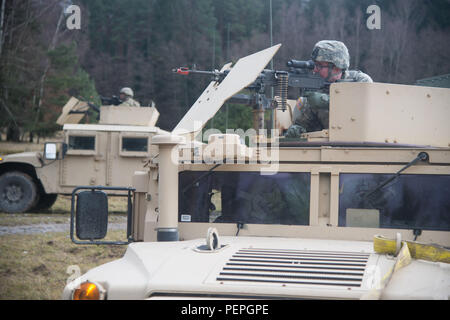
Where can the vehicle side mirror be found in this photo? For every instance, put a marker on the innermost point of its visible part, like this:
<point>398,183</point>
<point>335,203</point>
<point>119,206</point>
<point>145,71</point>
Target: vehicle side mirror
<point>55,150</point>
<point>91,215</point>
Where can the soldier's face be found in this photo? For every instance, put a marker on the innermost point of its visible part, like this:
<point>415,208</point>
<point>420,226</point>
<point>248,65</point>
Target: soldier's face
<point>322,68</point>
<point>327,71</point>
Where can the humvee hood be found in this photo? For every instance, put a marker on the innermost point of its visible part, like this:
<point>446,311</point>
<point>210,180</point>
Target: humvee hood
<point>247,266</point>
<point>24,157</point>
<point>259,267</point>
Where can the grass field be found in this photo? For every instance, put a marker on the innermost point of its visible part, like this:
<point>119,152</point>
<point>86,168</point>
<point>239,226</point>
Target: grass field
<point>35,266</point>
<point>38,266</point>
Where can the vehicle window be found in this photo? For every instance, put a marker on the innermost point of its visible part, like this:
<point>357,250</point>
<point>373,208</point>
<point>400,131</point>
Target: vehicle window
<point>407,202</point>
<point>134,144</point>
<point>82,142</point>
<point>246,197</point>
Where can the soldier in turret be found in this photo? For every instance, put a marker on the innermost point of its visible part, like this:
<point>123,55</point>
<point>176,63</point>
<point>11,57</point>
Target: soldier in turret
<point>126,96</point>
<point>331,59</point>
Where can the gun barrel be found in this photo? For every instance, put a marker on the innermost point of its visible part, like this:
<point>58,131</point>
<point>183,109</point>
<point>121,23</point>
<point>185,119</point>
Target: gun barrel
<point>216,75</point>
<point>186,71</point>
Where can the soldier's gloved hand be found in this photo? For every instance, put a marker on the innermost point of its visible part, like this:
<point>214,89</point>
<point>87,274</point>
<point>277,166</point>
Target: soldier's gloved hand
<point>294,131</point>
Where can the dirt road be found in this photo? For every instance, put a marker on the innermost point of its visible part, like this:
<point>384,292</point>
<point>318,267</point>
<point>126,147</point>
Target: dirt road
<point>49,227</point>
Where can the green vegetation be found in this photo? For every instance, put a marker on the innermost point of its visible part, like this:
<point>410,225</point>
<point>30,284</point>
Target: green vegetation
<point>38,72</point>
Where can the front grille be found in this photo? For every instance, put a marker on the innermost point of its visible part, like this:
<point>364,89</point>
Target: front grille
<point>297,267</point>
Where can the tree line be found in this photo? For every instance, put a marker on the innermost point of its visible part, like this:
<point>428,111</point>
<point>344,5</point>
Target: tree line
<point>137,43</point>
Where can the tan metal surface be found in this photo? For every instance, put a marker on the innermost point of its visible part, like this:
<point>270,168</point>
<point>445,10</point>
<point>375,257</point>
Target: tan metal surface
<point>324,202</point>
<point>381,112</point>
<point>124,115</point>
<point>72,105</point>
<point>284,119</point>
<point>168,179</point>
<point>149,270</point>
<point>108,163</point>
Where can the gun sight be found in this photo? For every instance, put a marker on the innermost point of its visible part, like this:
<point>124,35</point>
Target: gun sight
<point>301,64</point>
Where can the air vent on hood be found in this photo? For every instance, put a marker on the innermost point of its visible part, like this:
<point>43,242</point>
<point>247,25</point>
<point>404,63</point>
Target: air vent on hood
<point>297,267</point>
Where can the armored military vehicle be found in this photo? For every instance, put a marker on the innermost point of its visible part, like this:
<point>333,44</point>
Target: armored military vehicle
<point>357,211</point>
<point>106,153</point>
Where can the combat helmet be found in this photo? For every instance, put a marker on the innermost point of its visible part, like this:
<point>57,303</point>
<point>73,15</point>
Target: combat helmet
<point>332,51</point>
<point>127,91</point>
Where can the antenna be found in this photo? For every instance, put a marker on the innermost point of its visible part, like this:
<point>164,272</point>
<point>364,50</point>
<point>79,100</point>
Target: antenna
<point>214,50</point>
<point>228,57</point>
<point>272,114</point>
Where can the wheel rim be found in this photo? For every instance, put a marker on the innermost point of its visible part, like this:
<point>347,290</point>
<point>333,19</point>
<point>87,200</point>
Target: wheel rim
<point>13,193</point>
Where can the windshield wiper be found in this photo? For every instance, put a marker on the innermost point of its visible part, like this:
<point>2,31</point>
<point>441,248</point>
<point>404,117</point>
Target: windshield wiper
<point>239,226</point>
<point>200,178</point>
<point>423,156</point>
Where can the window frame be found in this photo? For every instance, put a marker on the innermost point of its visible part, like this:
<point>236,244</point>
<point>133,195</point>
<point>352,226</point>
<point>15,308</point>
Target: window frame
<point>135,154</point>
<point>320,225</point>
<point>82,152</point>
<point>181,214</point>
<point>392,202</point>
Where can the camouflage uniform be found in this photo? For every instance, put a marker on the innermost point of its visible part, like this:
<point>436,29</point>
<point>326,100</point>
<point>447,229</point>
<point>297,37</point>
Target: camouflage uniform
<point>357,76</point>
<point>312,111</point>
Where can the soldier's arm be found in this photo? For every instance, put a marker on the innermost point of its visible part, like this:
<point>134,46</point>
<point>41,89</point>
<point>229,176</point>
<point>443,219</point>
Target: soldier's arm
<point>364,78</point>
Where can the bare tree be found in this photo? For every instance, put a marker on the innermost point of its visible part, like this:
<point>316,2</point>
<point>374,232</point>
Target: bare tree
<point>2,17</point>
<point>293,33</point>
<point>52,46</point>
<point>358,22</point>
<point>400,33</point>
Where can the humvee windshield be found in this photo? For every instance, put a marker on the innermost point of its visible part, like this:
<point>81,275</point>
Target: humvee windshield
<point>408,202</point>
<point>245,197</point>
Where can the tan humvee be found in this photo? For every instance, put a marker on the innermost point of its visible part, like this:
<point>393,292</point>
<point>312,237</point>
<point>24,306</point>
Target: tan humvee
<point>359,211</point>
<point>106,153</point>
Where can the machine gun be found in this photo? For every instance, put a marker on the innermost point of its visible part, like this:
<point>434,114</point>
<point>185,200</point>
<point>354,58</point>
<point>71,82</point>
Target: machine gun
<point>298,76</point>
<point>110,101</point>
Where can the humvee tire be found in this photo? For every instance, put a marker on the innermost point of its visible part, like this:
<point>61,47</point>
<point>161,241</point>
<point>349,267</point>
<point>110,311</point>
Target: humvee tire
<point>18,192</point>
<point>46,200</point>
